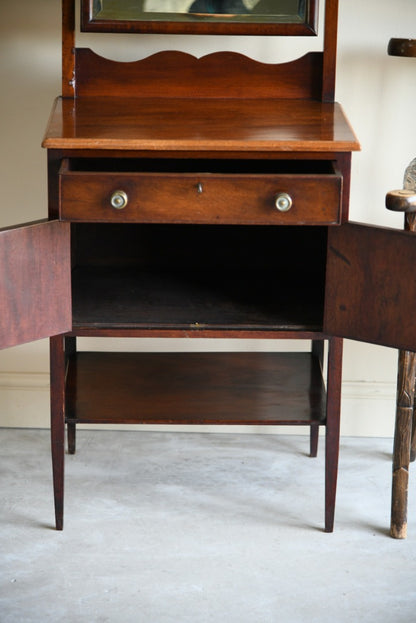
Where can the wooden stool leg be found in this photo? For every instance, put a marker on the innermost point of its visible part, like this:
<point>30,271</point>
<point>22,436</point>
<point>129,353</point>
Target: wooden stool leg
<point>402,442</point>
<point>332,429</point>
<point>403,201</point>
<point>410,225</point>
<point>57,372</point>
<point>413,441</point>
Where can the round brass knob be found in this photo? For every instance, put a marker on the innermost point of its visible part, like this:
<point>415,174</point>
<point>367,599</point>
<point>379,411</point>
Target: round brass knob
<point>119,199</point>
<point>283,202</point>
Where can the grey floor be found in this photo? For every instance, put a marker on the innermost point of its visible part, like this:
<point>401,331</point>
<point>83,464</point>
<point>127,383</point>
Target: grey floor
<point>176,527</point>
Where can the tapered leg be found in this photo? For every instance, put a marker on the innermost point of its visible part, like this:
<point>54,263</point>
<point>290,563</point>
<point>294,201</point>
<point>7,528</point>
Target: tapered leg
<point>402,443</point>
<point>318,352</point>
<point>71,349</point>
<point>57,374</point>
<point>332,429</point>
<point>314,438</point>
<point>72,437</point>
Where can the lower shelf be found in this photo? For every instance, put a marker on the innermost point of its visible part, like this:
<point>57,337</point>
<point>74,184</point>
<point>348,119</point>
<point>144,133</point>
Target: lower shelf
<point>195,388</point>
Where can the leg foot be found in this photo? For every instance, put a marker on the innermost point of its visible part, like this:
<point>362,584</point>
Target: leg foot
<point>314,438</point>
<point>71,432</point>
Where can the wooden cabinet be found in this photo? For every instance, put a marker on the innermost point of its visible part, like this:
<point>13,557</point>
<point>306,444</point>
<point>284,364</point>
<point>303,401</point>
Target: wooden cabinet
<point>201,198</point>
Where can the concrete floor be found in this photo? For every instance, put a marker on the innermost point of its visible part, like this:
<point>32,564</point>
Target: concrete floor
<point>176,527</point>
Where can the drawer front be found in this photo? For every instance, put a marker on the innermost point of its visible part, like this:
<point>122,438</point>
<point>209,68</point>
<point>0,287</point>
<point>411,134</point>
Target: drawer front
<point>280,199</point>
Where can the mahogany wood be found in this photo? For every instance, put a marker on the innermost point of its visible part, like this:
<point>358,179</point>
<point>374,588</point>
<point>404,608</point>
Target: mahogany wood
<point>201,197</point>
<point>330,51</point>
<point>218,75</point>
<point>35,282</point>
<point>68,48</point>
<point>195,388</point>
<point>318,349</point>
<point>57,373</point>
<point>199,126</point>
<point>70,346</point>
<point>239,284</point>
<point>227,108</point>
<point>363,259</point>
<point>333,409</point>
<point>322,87</point>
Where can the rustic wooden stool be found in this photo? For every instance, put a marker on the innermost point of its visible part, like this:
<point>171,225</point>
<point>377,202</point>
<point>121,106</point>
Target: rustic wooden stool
<point>405,428</point>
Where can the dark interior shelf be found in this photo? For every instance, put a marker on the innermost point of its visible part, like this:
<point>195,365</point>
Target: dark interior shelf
<point>186,277</point>
<point>128,297</point>
<point>195,388</point>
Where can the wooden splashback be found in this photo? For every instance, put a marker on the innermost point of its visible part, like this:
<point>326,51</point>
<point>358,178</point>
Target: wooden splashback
<point>223,74</point>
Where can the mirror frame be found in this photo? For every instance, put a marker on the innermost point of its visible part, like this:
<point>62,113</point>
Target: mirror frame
<point>91,24</point>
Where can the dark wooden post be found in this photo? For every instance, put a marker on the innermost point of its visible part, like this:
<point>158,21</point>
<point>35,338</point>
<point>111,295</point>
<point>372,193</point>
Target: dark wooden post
<point>57,367</point>
<point>330,50</point>
<point>70,349</point>
<point>333,408</point>
<point>68,48</point>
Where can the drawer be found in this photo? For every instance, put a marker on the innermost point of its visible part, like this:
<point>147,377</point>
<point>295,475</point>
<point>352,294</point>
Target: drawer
<point>282,198</point>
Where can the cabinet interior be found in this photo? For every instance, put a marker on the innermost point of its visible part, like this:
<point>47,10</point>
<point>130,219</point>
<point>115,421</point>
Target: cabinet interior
<point>191,276</point>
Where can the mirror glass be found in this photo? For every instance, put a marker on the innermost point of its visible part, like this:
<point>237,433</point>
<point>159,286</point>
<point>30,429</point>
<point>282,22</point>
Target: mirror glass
<point>291,11</point>
<point>294,16</point>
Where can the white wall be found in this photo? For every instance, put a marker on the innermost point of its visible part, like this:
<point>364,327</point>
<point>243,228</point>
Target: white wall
<point>377,92</point>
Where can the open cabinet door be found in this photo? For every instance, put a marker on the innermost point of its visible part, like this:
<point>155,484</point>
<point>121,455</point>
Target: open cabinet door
<point>371,285</point>
<point>35,282</point>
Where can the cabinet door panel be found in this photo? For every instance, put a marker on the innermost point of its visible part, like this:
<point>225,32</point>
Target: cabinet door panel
<point>370,285</point>
<point>35,282</point>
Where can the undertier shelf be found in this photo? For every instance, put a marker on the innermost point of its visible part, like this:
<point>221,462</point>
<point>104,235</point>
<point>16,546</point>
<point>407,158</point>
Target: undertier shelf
<point>195,388</point>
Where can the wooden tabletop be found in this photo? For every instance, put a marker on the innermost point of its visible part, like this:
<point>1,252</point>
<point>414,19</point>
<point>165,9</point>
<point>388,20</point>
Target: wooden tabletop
<point>173,124</point>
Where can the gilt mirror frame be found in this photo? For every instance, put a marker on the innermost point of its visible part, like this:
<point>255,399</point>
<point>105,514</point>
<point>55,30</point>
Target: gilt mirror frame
<point>198,24</point>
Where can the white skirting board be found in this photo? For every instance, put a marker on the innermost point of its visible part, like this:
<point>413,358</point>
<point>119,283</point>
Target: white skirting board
<point>368,409</point>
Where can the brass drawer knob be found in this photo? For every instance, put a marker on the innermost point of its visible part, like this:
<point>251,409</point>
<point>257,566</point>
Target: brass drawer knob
<point>283,202</point>
<point>119,199</point>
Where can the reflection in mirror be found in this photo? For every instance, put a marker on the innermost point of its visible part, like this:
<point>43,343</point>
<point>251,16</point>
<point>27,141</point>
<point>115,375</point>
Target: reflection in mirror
<point>250,11</point>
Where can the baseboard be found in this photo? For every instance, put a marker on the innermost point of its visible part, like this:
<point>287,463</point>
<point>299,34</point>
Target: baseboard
<point>368,409</point>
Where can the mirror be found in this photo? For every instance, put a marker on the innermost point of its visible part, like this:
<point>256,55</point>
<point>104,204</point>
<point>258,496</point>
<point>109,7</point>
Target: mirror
<point>260,17</point>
